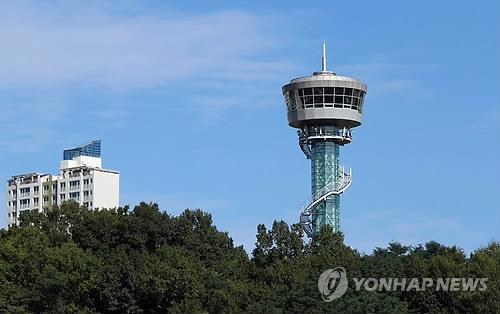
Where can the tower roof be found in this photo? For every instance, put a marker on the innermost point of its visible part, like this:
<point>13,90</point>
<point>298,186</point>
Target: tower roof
<point>324,98</point>
<point>328,78</point>
<point>322,76</point>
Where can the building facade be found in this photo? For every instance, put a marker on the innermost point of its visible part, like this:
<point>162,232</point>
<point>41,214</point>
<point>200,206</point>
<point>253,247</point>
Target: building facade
<point>81,179</point>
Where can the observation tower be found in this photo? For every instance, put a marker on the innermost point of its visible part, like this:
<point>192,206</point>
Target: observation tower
<point>324,107</point>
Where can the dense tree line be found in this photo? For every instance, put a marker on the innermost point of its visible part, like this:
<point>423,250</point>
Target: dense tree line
<point>72,260</point>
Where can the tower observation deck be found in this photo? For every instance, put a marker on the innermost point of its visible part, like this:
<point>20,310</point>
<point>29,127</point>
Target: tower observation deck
<point>324,107</point>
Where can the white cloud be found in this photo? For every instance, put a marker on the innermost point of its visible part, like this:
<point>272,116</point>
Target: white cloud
<point>49,49</point>
<point>96,47</point>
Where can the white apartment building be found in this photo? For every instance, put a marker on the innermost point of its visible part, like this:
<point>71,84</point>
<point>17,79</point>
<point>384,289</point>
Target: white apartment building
<point>81,179</point>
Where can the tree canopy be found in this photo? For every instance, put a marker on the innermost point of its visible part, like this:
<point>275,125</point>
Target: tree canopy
<point>75,260</point>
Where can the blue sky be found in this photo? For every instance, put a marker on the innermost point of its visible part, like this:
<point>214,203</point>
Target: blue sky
<point>186,97</point>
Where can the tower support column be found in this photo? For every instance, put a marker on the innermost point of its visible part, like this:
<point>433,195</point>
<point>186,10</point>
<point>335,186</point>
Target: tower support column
<point>325,169</point>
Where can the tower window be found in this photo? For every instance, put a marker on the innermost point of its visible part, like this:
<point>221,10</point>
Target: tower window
<point>329,91</point>
<point>319,97</point>
<point>308,91</point>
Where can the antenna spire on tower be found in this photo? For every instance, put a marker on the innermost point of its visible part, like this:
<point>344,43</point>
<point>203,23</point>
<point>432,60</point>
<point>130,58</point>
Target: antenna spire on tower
<point>323,59</point>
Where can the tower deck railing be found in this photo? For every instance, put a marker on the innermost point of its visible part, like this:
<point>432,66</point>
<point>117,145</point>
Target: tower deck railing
<point>339,136</point>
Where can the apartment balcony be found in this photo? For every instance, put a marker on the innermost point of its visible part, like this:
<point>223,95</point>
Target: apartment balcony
<point>29,181</point>
<point>87,186</point>
<point>74,188</point>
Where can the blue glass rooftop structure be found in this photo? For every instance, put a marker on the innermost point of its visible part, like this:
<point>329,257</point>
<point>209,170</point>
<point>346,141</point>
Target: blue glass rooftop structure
<point>92,149</point>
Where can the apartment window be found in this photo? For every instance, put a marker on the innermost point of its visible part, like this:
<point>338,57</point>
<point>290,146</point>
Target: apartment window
<point>25,192</point>
<point>74,185</point>
<point>63,197</point>
<point>24,203</point>
<point>75,196</point>
<point>35,202</point>
<point>36,190</point>
<point>45,199</point>
<point>73,174</point>
<point>63,186</point>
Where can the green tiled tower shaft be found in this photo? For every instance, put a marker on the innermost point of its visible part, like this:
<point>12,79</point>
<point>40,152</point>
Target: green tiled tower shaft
<point>324,169</point>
